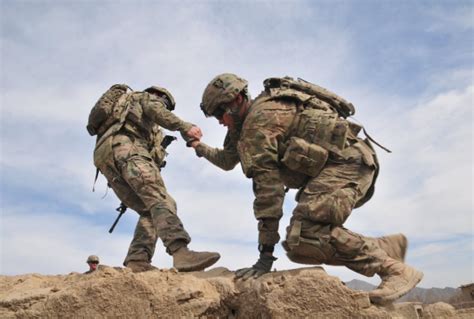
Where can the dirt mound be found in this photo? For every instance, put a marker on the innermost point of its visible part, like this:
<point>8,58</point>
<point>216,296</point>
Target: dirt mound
<point>119,293</point>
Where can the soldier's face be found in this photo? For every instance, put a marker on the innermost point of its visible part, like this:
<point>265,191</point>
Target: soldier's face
<point>227,120</point>
<point>93,266</point>
<point>232,112</point>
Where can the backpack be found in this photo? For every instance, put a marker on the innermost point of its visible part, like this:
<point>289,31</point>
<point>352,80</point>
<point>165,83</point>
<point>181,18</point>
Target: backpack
<point>105,111</point>
<point>307,90</point>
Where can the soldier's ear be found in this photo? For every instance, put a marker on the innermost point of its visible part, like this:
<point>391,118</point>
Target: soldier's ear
<point>239,99</point>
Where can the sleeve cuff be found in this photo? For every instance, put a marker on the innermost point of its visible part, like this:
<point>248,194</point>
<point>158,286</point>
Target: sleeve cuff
<point>200,150</point>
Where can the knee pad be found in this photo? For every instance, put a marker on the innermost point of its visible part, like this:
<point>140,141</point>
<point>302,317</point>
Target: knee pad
<point>301,249</point>
<point>310,254</point>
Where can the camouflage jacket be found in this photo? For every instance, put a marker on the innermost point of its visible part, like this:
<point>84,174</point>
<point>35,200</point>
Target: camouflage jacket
<point>256,147</point>
<point>144,117</point>
<point>259,147</point>
<point>145,111</point>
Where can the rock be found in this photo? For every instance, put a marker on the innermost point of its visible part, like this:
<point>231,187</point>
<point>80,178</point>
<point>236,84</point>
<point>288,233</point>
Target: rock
<point>439,310</point>
<point>117,292</point>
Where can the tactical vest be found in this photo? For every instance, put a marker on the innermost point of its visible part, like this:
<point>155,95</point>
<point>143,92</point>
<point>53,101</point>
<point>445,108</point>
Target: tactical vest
<point>320,130</point>
<point>319,102</point>
<point>321,115</point>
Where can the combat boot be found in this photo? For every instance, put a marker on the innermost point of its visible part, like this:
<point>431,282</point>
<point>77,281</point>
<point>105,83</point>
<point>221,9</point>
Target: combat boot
<point>397,280</point>
<point>394,245</point>
<point>140,266</point>
<point>188,260</point>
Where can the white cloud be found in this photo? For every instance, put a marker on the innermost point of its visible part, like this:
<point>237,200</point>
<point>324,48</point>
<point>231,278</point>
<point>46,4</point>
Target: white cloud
<point>425,186</point>
<point>52,243</point>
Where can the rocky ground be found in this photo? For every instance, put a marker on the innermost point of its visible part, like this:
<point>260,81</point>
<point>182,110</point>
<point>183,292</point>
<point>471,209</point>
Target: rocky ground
<point>119,293</point>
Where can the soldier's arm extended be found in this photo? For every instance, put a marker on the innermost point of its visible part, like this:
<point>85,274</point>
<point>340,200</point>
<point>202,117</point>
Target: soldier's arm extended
<point>156,110</point>
<point>258,151</point>
<point>225,158</point>
<point>261,164</point>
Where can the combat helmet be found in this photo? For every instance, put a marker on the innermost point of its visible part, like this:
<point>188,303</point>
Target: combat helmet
<point>163,93</point>
<point>223,89</point>
<point>93,259</point>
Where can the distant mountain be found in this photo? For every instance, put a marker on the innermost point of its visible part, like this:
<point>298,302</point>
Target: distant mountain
<point>423,295</point>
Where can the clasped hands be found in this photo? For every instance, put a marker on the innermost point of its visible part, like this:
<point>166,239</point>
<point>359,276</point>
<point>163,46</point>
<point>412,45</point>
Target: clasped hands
<point>195,135</point>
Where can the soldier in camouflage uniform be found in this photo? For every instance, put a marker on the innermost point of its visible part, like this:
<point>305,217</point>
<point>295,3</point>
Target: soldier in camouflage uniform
<point>287,138</point>
<point>129,153</point>
<point>93,262</point>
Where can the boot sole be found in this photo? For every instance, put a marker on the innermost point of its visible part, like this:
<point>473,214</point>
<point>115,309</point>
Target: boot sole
<point>201,266</point>
<point>414,280</point>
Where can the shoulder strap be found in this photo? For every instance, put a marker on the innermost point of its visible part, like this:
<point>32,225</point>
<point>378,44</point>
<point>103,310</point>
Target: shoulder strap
<point>117,126</point>
<point>308,89</point>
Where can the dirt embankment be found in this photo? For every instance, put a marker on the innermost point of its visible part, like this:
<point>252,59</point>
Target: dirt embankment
<point>119,293</point>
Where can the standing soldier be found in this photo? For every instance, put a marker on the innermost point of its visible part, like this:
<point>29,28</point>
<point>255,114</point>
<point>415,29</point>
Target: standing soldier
<point>129,153</point>
<point>295,134</point>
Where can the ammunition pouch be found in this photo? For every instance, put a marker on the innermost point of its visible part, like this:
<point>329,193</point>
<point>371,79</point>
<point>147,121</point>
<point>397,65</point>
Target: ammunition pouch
<point>304,157</point>
<point>158,155</point>
<point>323,127</point>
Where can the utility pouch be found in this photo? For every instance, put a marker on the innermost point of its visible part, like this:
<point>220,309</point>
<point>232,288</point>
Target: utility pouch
<point>157,150</point>
<point>304,157</point>
<point>324,128</point>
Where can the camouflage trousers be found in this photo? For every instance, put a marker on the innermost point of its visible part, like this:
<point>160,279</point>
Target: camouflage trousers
<point>136,180</point>
<point>316,235</point>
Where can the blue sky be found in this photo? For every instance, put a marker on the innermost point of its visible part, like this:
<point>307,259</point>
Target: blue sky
<point>407,66</point>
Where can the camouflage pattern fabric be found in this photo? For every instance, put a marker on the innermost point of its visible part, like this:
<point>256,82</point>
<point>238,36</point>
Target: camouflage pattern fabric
<point>133,173</point>
<point>325,202</point>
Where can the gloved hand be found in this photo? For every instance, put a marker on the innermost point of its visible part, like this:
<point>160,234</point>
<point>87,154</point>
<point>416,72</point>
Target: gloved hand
<point>262,266</point>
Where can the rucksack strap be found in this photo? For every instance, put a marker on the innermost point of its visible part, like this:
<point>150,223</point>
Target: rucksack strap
<point>95,179</point>
<point>374,141</point>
